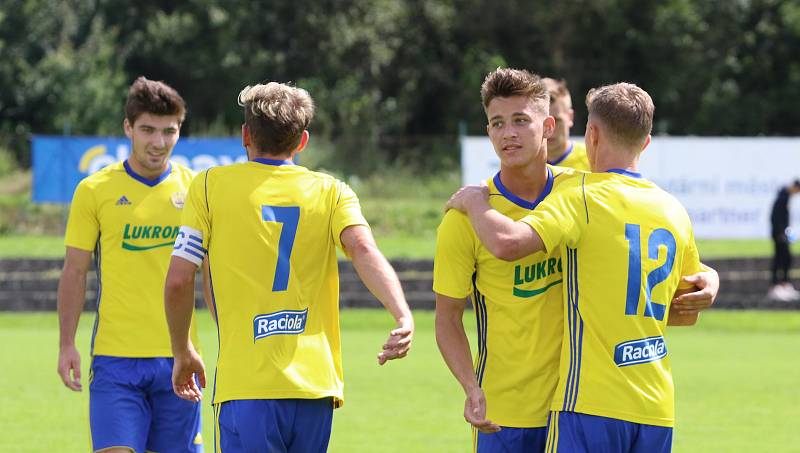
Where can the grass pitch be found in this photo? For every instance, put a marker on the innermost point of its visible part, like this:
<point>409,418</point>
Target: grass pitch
<point>736,375</point>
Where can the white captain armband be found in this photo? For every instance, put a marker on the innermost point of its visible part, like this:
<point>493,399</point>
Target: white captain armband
<point>189,245</point>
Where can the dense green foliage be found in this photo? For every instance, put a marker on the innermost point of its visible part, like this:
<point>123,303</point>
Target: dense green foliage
<point>393,80</point>
<point>736,386</point>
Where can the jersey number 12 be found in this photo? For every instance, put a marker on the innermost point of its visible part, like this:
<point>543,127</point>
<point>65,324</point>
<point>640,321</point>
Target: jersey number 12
<point>656,239</point>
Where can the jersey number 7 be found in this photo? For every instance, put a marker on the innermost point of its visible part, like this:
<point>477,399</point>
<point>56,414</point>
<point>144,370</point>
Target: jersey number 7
<point>289,216</point>
<point>656,239</point>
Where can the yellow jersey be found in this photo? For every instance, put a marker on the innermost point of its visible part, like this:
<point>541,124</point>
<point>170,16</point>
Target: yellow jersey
<point>270,230</point>
<point>130,223</point>
<point>574,157</point>
<point>517,305</point>
<point>625,244</point>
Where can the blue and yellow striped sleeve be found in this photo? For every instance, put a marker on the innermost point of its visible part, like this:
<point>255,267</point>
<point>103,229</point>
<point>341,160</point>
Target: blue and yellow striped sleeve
<point>195,211</point>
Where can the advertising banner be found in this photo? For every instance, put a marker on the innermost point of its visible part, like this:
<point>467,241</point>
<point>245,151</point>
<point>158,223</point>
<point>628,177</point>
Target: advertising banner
<point>727,185</point>
<point>59,163</point>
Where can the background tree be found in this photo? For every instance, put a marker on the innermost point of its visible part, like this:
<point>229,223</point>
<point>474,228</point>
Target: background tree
<point>394,80</point>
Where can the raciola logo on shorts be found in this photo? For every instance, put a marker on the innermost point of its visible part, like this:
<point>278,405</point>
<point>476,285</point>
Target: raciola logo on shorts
<point>286,322</point>
<point>640,351</point>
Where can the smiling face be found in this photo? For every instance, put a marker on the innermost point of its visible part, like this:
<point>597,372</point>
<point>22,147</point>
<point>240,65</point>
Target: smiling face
<point>152,139</point>
<point>518,130</point>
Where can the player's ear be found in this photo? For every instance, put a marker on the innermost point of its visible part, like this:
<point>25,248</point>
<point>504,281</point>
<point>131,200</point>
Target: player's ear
<point>127,127</point>
<point>646,142</point>
<point>592,134</point>
<point>246,140</point>
<point>303,141</point>
<point>549,126</point>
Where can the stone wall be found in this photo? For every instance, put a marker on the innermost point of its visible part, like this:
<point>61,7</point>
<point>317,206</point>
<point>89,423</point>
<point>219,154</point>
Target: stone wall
<point>30,284</point>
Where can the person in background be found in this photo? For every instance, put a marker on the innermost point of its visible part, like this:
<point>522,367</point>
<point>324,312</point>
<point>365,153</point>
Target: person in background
<point>627,249</point>
<point>561,150</point>
<point>782,289</point>
<point>270,229</point>
<point>128,215</point>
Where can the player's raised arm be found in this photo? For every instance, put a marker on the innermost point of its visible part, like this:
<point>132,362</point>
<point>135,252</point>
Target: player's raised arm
<point>381,280</point>
<point>503,237</point>
<point>454,347</point>
<point>71,299</point>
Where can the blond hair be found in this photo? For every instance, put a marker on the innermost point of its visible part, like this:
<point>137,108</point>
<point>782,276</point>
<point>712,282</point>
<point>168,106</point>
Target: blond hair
<point>276,115</point>
<point>507,82</point>
<point>625,109</point>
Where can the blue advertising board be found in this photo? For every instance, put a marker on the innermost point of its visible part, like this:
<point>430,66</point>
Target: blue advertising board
<point>59,163</point>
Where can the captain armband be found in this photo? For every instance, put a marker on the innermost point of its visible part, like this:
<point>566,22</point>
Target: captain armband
<point>189,245</point>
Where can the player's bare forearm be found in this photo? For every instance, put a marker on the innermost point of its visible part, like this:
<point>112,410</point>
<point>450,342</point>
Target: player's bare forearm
<point>376,272</point>
<point>504,238</point>
<point>381,280</point>
<point>453,342</point>
<point>72,293</point>
<point>179,304</point>
<point>454,347</point>
<point>71,298</point>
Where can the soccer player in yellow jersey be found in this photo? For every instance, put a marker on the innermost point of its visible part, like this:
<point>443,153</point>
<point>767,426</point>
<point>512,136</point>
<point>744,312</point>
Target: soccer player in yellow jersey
<point>128,214</point>
<point>270,230</point>
<point>517,304</point>
<point>561,150</point>
<point>625,244</point>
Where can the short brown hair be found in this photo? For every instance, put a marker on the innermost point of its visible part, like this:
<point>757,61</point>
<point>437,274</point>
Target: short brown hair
<point>625,109</point>
<point>507,82</point>
<point>154,97</point>
<point>557,88</point>
<point>276,114</point>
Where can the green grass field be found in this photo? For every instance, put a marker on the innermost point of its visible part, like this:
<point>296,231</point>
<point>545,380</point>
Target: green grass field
<point>736,375</point>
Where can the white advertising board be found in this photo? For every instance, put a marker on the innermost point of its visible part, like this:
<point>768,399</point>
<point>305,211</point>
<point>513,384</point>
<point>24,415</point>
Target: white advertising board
<point>727,185</point>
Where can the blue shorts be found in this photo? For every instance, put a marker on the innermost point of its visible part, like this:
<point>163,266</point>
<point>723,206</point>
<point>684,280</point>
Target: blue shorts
<point>513,440</point>
<point>131,404</point>
<point>275,426</point>
<point>570,432</point>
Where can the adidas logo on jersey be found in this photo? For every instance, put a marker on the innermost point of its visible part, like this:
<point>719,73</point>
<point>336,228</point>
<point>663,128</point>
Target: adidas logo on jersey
<point>123,200</point>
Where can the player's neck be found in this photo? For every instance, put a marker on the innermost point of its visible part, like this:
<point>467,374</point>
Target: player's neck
<point>259,155</point>
<point>526,183</point>
<point>607,159</point>
<point>558,150</point>
<point>144,172</point>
